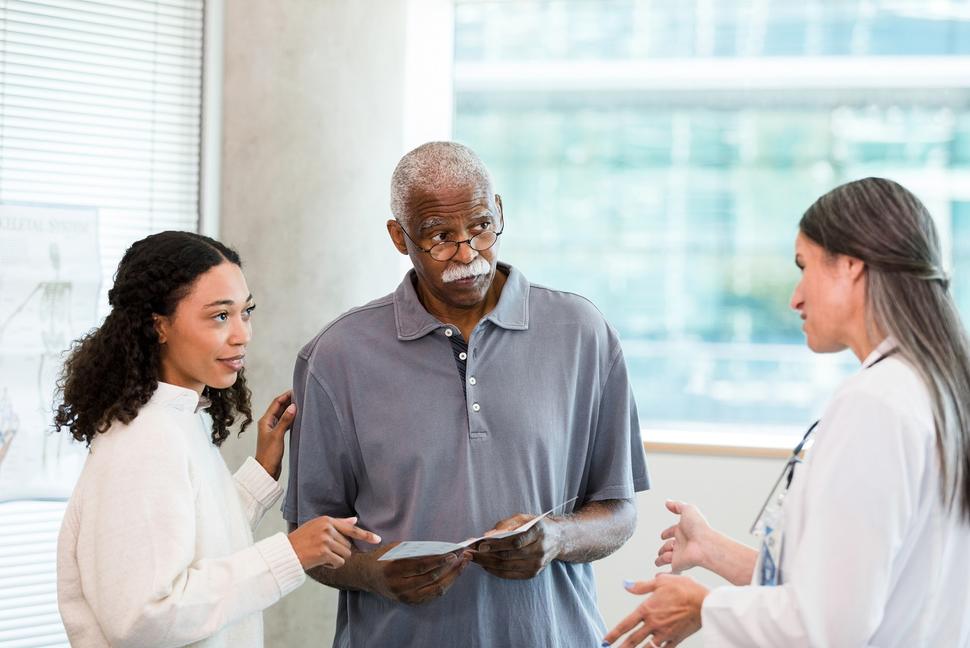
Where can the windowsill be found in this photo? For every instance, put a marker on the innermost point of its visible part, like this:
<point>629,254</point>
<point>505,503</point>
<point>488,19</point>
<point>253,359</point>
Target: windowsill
<point>721,441</point>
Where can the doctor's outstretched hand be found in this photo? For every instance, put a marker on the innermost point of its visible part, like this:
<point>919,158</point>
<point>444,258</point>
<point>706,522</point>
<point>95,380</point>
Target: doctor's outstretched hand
<point>670,614</point>
<point>687,543</point>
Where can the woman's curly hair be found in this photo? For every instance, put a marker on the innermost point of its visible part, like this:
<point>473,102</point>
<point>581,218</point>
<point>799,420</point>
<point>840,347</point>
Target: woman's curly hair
<point>112,371</point>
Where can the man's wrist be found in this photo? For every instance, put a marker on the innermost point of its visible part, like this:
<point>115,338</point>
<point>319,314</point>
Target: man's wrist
<point>368,569</point>
<point>556,528</point>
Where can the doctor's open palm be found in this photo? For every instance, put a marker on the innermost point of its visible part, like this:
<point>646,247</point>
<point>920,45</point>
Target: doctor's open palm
<point>687,542</point>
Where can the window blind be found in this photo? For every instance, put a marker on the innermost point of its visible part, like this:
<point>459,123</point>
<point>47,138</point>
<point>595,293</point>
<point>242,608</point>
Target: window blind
<point>100,106</point>
<point>28,580</point>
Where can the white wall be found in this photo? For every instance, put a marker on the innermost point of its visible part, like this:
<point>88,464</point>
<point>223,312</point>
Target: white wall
<point>312,127</point>
<point>311,132</point>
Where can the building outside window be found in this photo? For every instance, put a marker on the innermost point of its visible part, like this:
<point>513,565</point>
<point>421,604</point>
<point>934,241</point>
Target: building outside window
<point>655,157</point>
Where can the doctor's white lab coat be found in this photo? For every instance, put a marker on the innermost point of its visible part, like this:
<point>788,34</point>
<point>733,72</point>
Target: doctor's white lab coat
<point>871,556</point>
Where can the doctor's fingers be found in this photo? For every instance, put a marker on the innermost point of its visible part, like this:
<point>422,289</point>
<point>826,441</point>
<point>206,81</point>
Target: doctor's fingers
<point>626,624</point>
<point>670,532</point>
<point>667,547</point>
<point>664,559</point>
<point>640,637</point>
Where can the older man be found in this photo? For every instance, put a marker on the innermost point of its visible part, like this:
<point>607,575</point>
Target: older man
<point>466,400</point>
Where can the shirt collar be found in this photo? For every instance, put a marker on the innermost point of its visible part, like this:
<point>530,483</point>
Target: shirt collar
<point>880,351</point>
<point>179,398</point>
<point>511,312</point>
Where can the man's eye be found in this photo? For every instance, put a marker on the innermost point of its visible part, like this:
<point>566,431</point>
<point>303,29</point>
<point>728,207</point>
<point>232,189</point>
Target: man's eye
<point>439,237</point>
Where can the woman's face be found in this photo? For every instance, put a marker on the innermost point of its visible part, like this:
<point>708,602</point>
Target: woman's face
<point>829,296</point>
<point>204,341</point>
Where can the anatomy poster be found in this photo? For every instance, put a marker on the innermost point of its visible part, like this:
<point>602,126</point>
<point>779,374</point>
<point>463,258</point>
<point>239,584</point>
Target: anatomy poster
<point>49,285</point>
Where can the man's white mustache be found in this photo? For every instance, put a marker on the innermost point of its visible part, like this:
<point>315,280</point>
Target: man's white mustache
<point>458,271</point>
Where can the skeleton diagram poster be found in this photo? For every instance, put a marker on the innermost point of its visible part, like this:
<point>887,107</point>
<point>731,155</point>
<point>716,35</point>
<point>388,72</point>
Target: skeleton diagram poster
<point>49,285</point>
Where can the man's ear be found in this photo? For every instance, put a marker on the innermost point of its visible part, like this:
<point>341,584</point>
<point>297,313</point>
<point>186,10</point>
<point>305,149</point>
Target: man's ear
<point>396,232</point>
<point>162,325</point>
<point>498,205</point>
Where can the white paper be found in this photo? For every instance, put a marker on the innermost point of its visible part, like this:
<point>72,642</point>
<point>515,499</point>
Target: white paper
<point>424,548</point>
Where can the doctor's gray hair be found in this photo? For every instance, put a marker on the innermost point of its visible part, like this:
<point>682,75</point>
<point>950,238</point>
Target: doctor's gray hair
<point>883,224</point>
<point>434,166</point>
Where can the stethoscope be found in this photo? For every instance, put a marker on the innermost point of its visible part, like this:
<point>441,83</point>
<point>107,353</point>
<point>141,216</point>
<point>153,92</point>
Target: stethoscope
<point>788,472</point>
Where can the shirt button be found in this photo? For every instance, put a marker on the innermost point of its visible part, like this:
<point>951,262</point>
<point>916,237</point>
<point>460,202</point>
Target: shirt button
<point>476,407</point>
<point>462,356</point>
<point>449,332</point>
<point>472,381</point>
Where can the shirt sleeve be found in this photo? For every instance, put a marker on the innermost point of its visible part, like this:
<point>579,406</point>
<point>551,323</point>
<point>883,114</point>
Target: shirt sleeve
<point>861,494</point>
<point>136,551</point>
<point>322,478</point>
<point>617,468</point>
<point>257,490</point>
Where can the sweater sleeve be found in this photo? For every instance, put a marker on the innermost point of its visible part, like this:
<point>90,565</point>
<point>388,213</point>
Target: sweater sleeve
<point>136,548</point>
<point>257,490</point>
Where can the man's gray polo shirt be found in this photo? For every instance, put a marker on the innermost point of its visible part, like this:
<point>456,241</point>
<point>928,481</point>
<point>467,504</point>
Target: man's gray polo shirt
<point>385,431</point>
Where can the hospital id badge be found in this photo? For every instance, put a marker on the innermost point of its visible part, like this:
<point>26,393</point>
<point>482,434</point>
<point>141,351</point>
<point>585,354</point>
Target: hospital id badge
<point>772,538</point>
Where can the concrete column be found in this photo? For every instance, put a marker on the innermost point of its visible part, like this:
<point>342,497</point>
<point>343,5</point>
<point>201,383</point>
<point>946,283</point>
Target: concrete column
<point>312,128</point>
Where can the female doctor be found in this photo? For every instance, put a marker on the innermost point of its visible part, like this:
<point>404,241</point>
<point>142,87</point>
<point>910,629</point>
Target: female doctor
<point>866,540</point>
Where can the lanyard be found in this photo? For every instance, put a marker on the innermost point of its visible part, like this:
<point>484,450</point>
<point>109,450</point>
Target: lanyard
<point>788,472</point>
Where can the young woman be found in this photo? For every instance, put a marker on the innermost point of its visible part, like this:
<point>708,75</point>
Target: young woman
<point>866,541</point>
<point>156,548</point>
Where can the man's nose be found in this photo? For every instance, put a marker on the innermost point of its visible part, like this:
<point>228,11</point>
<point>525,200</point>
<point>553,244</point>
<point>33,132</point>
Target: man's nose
<point>466,253</point>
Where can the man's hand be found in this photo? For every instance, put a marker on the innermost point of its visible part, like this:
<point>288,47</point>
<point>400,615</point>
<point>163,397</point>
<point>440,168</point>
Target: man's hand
<point>415,580</point>
<point>520,556</point>
<point>669,615</point>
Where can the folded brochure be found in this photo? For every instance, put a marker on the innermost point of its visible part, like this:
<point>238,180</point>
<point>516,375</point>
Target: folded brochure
<point>423,548</point>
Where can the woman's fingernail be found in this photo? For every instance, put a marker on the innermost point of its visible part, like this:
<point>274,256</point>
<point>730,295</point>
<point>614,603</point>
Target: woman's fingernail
<point>604,644</point>
<point>485,547</point>
<point>628,584</point>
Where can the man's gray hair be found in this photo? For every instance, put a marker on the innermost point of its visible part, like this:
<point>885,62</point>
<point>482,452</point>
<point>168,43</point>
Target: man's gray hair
<point>434,166</point>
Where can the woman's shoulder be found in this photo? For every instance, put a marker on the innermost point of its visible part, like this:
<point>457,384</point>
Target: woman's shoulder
<point>155,427</point>
<point>891,388</point>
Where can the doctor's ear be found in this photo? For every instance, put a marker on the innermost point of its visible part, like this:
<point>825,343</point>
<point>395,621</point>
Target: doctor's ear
<point>856,268</point>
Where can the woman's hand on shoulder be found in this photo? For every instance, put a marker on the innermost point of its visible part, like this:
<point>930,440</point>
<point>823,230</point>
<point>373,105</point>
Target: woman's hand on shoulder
<point>326,541</point>
<point>272,429</point>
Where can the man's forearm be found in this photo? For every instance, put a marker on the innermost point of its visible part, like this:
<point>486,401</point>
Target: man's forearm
<point>353,575</point>
<point>596,530</point>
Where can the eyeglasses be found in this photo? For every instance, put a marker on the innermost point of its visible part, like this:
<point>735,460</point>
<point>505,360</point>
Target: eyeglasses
<point>446,250</point>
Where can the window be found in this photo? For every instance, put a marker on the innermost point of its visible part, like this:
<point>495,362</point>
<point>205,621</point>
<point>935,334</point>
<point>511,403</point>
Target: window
<point>100,106</point>
<point>655,157</point>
